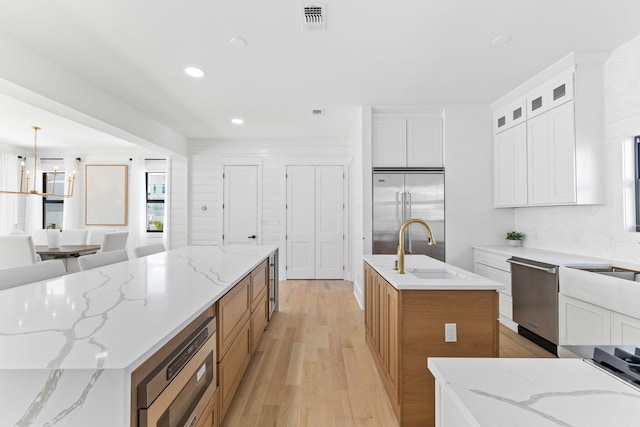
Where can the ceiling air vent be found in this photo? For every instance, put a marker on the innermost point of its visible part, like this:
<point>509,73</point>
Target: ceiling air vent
<point>313,17</point>
<point>317,112</point>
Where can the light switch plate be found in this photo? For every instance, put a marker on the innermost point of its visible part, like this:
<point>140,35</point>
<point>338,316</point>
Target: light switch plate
<point>450,332</point>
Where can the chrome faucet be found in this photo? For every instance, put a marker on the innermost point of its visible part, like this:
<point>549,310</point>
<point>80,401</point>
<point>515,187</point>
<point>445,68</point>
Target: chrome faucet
<point>432,241</point>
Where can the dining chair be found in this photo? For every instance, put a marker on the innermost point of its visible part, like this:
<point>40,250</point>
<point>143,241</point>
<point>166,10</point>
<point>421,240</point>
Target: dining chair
<point>100,259</point>
<point>142,251</point>
<point>95,235</point>
<point>114,241</point>
<point>16,251</point>
<point>74,237</point>
<point>24,274</point>
<point>40,237</point>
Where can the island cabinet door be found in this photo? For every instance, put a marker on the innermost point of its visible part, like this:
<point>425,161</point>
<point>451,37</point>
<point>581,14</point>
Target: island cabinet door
<point>368,300</point>
<point>391,324</point>
<point>232,367</point>
<point>233,313</point>
<point>258,284</point>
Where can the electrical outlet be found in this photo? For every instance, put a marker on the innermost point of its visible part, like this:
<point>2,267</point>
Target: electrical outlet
<point>450,332</point>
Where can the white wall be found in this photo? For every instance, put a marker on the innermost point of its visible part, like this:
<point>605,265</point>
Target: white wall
<point>207,159</point>
<point>355,207</point>
<point>599,230</point>
<point>470,216</point>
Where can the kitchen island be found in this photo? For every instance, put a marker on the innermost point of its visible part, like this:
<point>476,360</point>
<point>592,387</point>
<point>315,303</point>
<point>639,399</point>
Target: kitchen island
<point>434,310</point>
<point>530,393</point>
<point>69,345</point>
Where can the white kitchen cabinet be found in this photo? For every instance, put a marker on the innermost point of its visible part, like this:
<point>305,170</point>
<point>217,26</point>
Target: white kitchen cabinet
<point>509,116</point>
<point>510,167</point>
<point>583,323</point>
<point>406,141</point>
<point>551,157</point>
<point>495,267</point>
<point>564,137</point>
<point>624,329</point>
<point>552,93</point>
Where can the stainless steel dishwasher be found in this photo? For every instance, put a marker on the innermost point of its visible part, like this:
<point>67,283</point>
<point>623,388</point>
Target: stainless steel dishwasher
<point>534,288</point>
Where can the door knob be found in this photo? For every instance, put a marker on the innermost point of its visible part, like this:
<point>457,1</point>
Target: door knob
<point>252,237</point>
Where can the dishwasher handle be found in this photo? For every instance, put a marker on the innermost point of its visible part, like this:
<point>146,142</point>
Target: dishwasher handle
<point>550,269</point>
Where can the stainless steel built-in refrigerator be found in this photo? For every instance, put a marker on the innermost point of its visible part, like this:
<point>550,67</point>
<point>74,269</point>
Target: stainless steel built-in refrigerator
<point>400,195</point>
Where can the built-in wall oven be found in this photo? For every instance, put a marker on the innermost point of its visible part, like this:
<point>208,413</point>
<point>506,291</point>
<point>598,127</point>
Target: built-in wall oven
<point>178,390</point>
<point>534,288</point>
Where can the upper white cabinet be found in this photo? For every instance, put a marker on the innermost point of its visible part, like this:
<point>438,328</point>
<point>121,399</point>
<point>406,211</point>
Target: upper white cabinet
<point>549,137</point>
<point>406,141</point>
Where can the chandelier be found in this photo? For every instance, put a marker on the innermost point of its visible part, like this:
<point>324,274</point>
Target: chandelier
<point>25,178</point>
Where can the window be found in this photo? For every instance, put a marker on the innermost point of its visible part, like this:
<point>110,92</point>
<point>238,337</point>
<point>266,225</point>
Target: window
<point>52,206</point>
<point>156,190</point>
<point>636,144</point>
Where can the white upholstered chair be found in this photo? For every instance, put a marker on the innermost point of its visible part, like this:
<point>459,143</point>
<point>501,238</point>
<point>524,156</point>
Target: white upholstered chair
<point>40,237</point>
<point>100,259</point>
<point>74,237</point>
<point>96,234</point>
<point>145,250</point>
<point>16,251</point>
<point>24,274</point>
<point>114,241</point>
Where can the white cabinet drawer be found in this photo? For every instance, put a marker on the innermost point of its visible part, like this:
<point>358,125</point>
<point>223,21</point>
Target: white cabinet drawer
<point>491,259</point>
<point>495,274</point>
<point>506,305</point>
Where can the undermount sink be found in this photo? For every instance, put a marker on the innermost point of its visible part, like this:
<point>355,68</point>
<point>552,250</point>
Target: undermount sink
<point>431,273</point>
<point>618,272</point>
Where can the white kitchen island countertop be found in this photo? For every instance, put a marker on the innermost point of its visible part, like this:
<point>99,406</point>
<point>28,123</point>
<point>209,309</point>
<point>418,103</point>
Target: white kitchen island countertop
<point>532,393</point>
<point>68,345</point>
<point>435,275</point>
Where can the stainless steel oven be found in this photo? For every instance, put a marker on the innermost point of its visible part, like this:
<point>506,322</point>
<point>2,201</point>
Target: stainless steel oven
<point>178,390</point>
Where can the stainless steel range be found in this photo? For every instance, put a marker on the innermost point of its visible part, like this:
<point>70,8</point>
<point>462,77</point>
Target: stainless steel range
<point>621,361</point>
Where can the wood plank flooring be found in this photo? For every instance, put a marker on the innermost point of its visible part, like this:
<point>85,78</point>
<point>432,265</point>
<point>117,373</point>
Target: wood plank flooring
<point>313,367</point>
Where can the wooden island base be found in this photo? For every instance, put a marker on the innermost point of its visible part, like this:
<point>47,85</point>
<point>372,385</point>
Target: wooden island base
<point>405,327</point>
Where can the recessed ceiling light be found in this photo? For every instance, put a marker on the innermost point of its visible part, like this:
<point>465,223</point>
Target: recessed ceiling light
<point>238,41</point>
<point>237,121</point>
<point>194,72</point>
<point>501,40</point>
<point>317,112</point>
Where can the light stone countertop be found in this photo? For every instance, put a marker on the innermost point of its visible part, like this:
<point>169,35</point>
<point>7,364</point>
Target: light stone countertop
<point>68,345</point>
<point>534,393</point>
<point>437,275</point>
<point>542,255</point>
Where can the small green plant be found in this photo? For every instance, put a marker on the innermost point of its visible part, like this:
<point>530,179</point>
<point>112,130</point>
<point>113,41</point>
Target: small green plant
<point>515,235</point>
<point>158,225</point>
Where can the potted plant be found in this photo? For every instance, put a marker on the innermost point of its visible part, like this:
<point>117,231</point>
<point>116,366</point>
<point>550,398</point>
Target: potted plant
<point>514,238</point>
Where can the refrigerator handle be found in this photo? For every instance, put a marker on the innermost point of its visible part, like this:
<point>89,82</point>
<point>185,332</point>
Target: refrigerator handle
<point>402,213</point>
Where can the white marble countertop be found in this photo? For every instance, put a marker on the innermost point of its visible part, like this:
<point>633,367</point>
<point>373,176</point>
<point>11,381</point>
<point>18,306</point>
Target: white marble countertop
<point>535,393</point>
<point>68,345</point>
<point>431,274</point>
<point>551,257</point>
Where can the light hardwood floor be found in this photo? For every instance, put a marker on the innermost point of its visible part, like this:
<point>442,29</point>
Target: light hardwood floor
<point>313,367</point>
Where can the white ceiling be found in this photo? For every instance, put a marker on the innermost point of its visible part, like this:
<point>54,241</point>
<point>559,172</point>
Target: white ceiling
<point>374,52</point>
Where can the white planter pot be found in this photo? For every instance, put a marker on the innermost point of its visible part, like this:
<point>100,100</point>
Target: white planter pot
<point>53,238</point>
<point>514,243</point>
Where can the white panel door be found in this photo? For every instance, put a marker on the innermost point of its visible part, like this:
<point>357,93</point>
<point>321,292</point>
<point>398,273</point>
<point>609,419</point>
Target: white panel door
<point>329,207</point>
<point>300,222</point>
<point>240,206</point>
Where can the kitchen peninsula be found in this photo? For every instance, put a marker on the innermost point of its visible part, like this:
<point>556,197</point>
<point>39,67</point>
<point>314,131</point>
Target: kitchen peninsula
<point>70,345</point>
<point>434,310</point>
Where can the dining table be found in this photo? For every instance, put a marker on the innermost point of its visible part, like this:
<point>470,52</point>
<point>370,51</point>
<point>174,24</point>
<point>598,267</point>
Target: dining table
<point>65,251</point>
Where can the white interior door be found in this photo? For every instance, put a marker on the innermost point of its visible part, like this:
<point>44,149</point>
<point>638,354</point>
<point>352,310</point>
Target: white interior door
<point>315,222</point>
<point>240,206</point>
<point>300,222</point>
<point>329,207</point>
